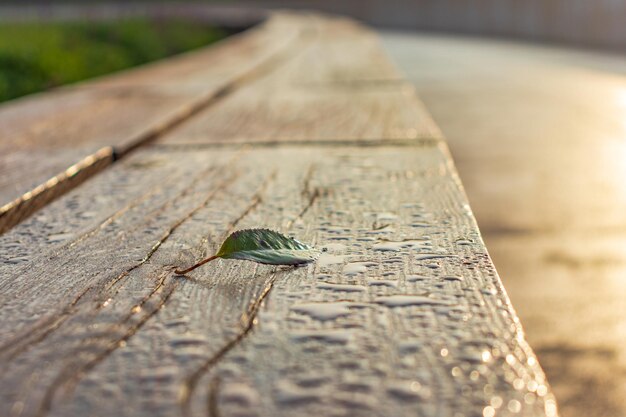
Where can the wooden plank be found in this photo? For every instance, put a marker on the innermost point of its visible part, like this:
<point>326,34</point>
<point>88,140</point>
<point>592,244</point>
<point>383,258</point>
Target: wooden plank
<point>230,59</point>
<point>403,315</point>
<point>340,87</point>
<point>45,134</point>
<point>98,324</point>
<point>340,51</point>
<point>22,207</point>
<point>332,114</point>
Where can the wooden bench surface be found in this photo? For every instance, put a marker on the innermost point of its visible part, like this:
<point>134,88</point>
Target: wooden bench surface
<point>89,123</point>
<point>303,126</point>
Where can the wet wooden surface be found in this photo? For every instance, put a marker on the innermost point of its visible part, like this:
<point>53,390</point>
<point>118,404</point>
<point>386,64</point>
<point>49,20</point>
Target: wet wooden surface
<point>44,134</point>
<point>403,315</point>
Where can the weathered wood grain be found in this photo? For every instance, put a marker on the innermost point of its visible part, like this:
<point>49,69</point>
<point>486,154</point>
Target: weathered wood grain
<point>339,87</point>
<point>337,53</point>
<point>404,314</point>
<point>114,331</point>
<point>45,134</point>
<point>19,209</point>
<point>310,114</point>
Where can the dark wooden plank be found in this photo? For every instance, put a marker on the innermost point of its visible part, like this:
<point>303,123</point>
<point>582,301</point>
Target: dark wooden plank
<point>45,134</point>
<point>367,330</point>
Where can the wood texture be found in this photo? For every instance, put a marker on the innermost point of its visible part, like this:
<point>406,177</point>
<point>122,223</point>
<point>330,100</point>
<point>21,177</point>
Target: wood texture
<point>367,330</point>
<point>22,207</point>
<point>45,134</point>
<point>339,87</point>
<point>404,314</point>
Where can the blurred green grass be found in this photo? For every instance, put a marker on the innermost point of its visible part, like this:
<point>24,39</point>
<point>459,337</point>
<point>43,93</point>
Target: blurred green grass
<point>38,56</point>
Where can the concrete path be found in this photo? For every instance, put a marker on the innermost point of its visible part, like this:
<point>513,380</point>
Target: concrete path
<point>539,137</point>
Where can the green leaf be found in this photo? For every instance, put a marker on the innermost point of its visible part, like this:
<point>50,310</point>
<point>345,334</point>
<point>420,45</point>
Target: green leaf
<point>263,246</point>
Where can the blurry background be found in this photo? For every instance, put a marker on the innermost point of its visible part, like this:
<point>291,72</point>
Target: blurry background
<point>531,95</point>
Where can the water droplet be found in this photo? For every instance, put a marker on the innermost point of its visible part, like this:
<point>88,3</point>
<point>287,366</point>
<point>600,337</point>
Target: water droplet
<point>323,311</point>
<point>410,346</point>
<point>386,216</point>
<point>239,393</point>
<point>542,390</point>
<point>452,278</point>
<point>341,287</point>
<point>496,402</point>
<point>382,283</point>
<point>405,390</point>
<point>489,411</point>
<point>530,398</point>
<point>188,340</point>
<point>424,256</point>
<point>335,229</point>
<point>408,300</point>
<point>338,336</point>
<point>514,406</point>
<point>354,268</point>
<point>413,278</point>
<point>518,384</point>
<point>326,259</point>
<point>287,393</point>
<point>159,374</point>
<point>391,246</point>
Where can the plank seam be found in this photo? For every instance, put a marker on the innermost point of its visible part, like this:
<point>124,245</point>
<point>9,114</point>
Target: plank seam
<point>413,142</point>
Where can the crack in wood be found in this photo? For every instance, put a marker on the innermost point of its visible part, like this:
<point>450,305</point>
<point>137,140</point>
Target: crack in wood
<point>74,373</point>
<point>248,317</point>
<point>248,321</point>
<point>212,399</point>
<point>310,194</point>
<point>168,232</point>
<point>158,189</point>
<point>38,333</point>
<point>70,375</point>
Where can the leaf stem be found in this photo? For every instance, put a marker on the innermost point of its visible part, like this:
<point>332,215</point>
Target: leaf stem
<point>191,268</point>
